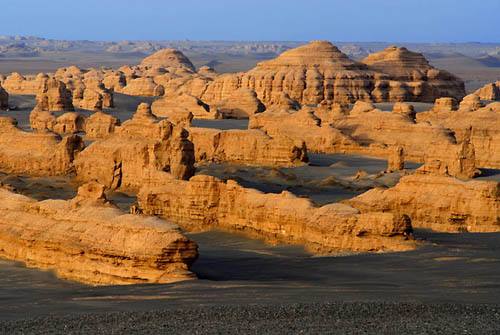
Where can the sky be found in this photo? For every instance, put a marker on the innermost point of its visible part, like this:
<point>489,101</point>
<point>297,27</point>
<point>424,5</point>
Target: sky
<point>277,20</point>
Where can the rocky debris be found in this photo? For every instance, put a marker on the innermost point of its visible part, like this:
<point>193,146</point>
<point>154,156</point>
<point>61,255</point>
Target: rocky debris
<point>54,96</point>
<point>39,153</point>
<point>438,202</point>
<point>171,106</point>
<point>247,147</point>
<point>100,125</point>
<point>144,86</point>
<point>208,203</point>
<point>90,241</point>
<point>305,126</point>
<point>168,58</point>
<point>490,91</point>
<point>241,104</point>
<point>143,150</point>
<point>4,98</point>
<point>319,71</point>
<point>485,132</point>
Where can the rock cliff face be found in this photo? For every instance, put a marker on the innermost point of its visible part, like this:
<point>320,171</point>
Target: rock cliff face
<point>40,153</point>
<point>53,96</point>
<point>88,240</point>
<point>319,72</point>
<point>142,150</point>
<point>489,91</point>
<point>4,98</point>
<point>208,203</point>
<point>248,147</point>
<point>484,125</point>
<point>440,203</point>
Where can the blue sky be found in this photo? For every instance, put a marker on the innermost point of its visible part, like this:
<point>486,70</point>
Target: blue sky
<point>336,20</point>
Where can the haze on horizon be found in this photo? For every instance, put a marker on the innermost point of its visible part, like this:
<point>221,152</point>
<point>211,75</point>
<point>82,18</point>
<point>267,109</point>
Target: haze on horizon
<point>291,20</point>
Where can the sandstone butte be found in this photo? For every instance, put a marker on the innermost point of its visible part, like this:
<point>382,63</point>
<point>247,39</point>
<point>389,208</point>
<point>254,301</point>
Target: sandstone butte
<point>54,96</point>
<point>89,240</point>
<point>39,153</point>
<point>319,72</point>
<point>67,123</point>
<point>209,203</point>
<point>484,123</point>
<point>172,106</point>
<point>438,202</point>
<point>141,150</point>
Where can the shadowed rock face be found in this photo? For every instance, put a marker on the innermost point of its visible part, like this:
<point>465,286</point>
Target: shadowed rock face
<point>319,72</point>
<point>438,202</point>
<point>4,98</point>
<point>142,150</point>
<point>87,239</point>
<point>41,153</point>
<point>209,203</point>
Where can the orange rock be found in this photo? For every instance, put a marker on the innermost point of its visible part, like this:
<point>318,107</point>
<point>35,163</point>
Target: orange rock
<point>88,240</point>
<point>4,98</point>
<point>241,104</point>
<point>489,92</point>
<point>170,106</point>
<point>208,203</point>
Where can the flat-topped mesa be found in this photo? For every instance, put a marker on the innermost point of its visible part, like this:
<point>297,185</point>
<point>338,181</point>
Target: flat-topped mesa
<point>4,99</point>
<point>489,91</point>
<point>438,202</point>
<point>143,150</point>
<point>89,240</point>
<point>209,203</point>
<point>168,58</point>
<point>422,82</point>
<point>485,132</point>
<point>40,153</point>
<point>305,126</point>
<point>54,96</point>
<point>173,106</point>
<point>246,147</point>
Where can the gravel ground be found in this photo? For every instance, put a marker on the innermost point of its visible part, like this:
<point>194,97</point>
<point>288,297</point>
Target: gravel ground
<point>325,318</point>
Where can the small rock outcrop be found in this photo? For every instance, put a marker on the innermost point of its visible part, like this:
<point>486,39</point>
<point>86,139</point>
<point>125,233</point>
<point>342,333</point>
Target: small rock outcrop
<point>144,86</point>
<point>100,125</point>
<point>88,240</point>
<point>241,104</point>
<point>168,58</point>
<point>4,99</point>
<point>489,92</point>
<point>172,106</point>
<point>54,96</point>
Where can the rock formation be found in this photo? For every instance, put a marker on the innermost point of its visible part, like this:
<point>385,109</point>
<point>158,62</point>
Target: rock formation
<point>168,58</point>
<point>171,106</point>
<point>67,123</point>
<point>39,153</point>
<point>489,92</point>
<point>247,147</point>
<point>485,132</point>
<point>318,72</point>
<point>241,104</point>
<point>445,105</point>
<point>438,202</point>
<point>100,125</point>
<point>88,240</point>
<point>143,87</point>
<point>142,150</point>
<point>54,96</point>
<point>208,203</point>
<point>16,83</point>
<point>305,126</point>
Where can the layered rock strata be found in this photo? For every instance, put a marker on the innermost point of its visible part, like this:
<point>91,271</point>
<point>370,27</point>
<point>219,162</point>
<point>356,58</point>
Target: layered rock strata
<point>208,203</point>
<point>90,241</point>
